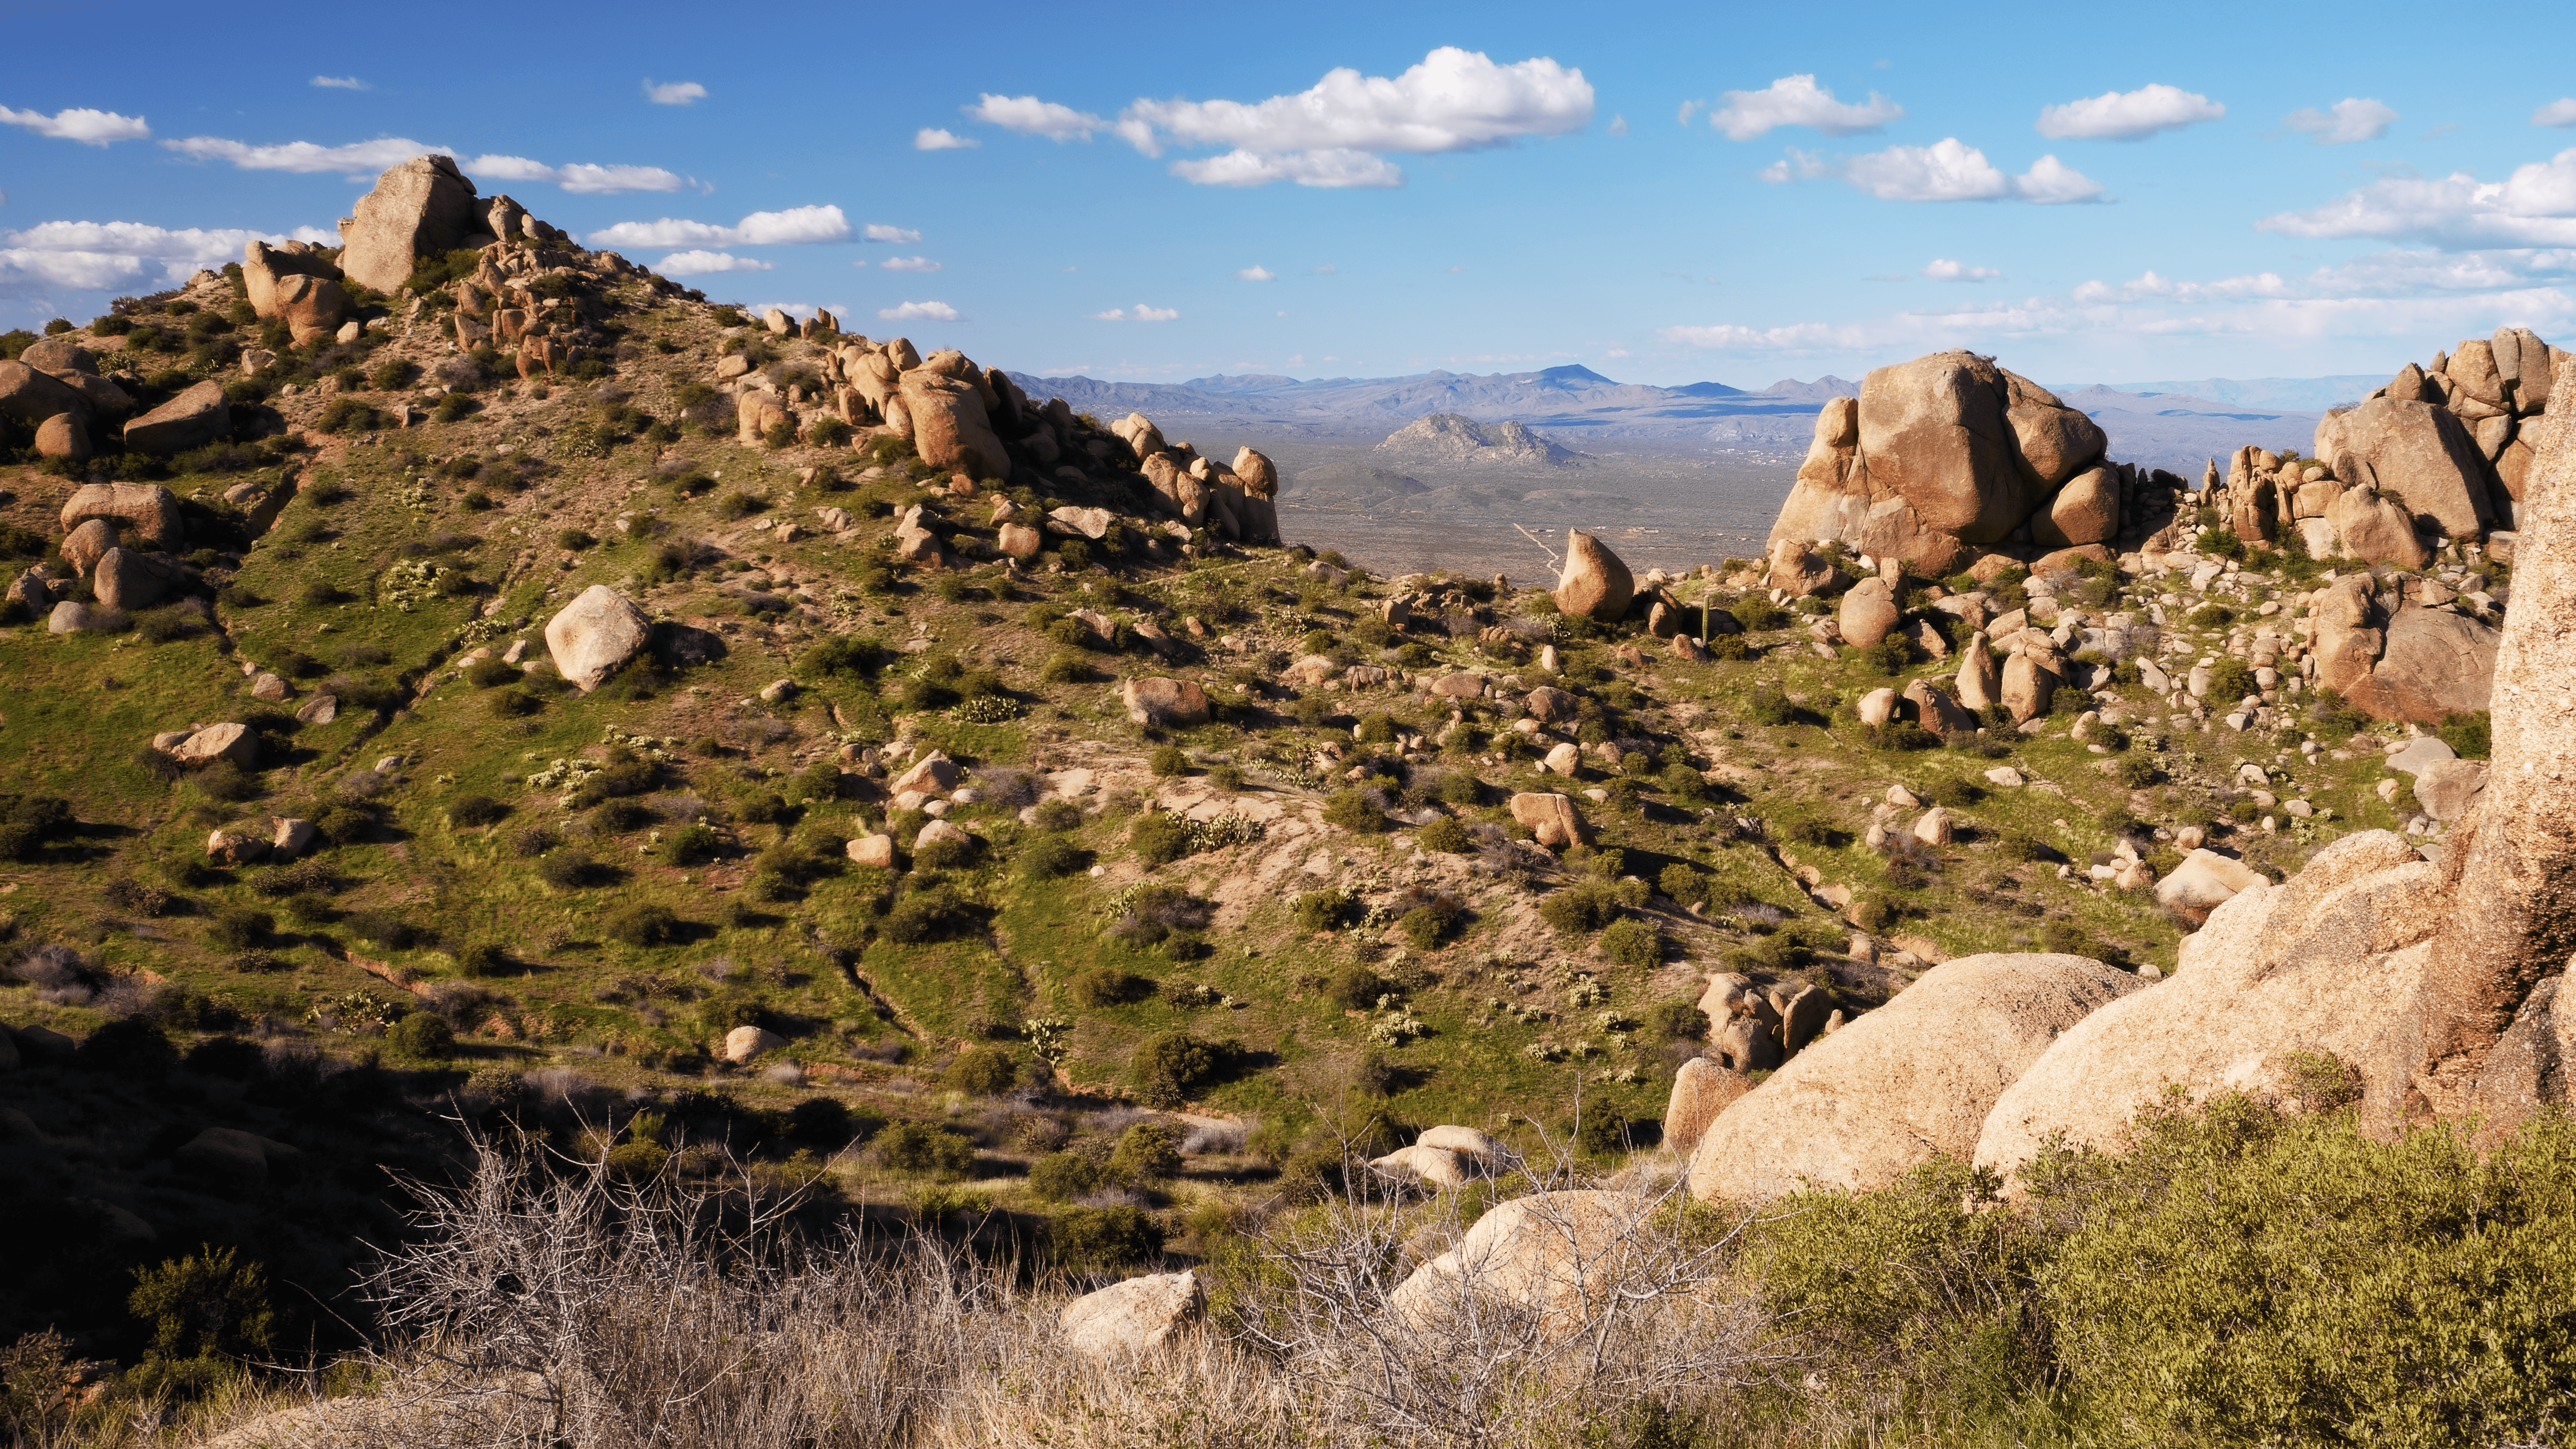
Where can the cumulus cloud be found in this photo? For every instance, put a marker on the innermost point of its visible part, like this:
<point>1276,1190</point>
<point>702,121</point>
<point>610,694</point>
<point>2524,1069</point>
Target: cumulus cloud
<point>795,226</point>
<point>1943,269</point>
<point>2128,115</point>
<point>674,93</point>
<point>79,123</point>
<point>1796,165</point>
<point>1687,109</point>
<point>1143,313</point>
<point>2535,206</point>
<point>1332,169</point>
<point>340,83</point>
<point>95,256</point>
<point>1618,125</point>
<point>919,311</point>
<point>911,264</point>
<point>1949,170</point>
<point>938,138</point>
<point>2152,287</point>
<point>878,231</point>
<point>360,160</point>
<point>1796,100</point>
<point>2343,123</point>
<point>2556,113</point>
<point>1256,274</point>
<point>1030,116</point>
<point>706,263</point>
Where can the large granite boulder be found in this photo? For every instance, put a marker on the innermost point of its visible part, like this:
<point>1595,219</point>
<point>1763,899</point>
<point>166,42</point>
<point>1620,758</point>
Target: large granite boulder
<point>2419,452</point>
<point>313,307</point>
<point>194,418</point>
<point>1137,1316</point>
<point>1902,1084</point>
<point>264,267</point>
<point>1554,1254</point>
<point>2375,528</point>
<point>419,208</point>
<point>2393,659</point>
<point>144,514</point>
<point>595,635</point>
<point>1594,582</point>
<point>950,427</point>
<point>31,396</point>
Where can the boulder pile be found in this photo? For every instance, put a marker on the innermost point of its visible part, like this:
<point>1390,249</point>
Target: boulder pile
<point>1949,457</point>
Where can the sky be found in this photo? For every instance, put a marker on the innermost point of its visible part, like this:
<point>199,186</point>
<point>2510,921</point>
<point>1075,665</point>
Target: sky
<point>1160,192</point>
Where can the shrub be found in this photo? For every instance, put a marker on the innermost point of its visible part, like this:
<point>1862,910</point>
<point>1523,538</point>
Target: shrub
<point>1677,1021</point>
<point>1159,838</point>
<point>1168,761</point>
<point>208,1305</point>
<point>2470,736</point>
<point>473,810</point>
<point>1172,1065</point>
<point>1682,884</point>
<point>1633,942</point>
<point>918,1147</point>
<point>1148,1152</point>
<point>693,844</point>
<point>516,704</point>
<point>1581,908</point>
<point>2136,772</point>
<point>1355,987</point>
<point>1757,613</point>
<point>1447,836</point>
<point>491,673</point>
<point>640,923</point>
<point>927,915</point>
<point>573,870</point>
<point>238,929</point>
<point>1103,986</point>
<point>982,1071</point>
<point>1050,856</point>
<point>947,854</point>
<point>485,958</point>
<point>423,1036</point>
<point>1104,1237</point>
<point>1326,910</point>
<point>1352,811</point>
<point>2230,680</point>
<point>1062,1176</point>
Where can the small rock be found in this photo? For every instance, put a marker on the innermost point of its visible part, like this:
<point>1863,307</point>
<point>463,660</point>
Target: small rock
<point>745,1042</point>
<point>873,851</point>
<point>1135,1317</point>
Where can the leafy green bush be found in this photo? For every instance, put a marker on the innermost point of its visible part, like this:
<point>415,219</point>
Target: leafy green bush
<point>1354,987</point>
<point>692,844</point>
<point>1756,613</point>
<point>1149,1152</point>
<point>1172,1065</point>
<point>1062,1176</point>
<point>208,1305</point>
<point>918,1147</point>
<point>1106,1237</point>
<point>2470,736</point>
<point>1168,760</point>
<point>982,1071</point>
<point>1326,910</point>
<point>1632,942</point>
<point>1104,986</point>
<point>484,958</point>
<point>642,923</point>
<point>1447,836</point>
<point>1581,908</point>
<point>423,1036</point>
<point>473,810</point>
<point>1352,811</point>
<point>1159,838</point>
<point>2230,680</point>
<point>1677,1021</point>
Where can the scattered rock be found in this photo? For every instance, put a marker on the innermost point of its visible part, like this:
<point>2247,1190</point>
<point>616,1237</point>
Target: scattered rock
<point>1138,1316</point>
<point>1158,701</point>
<point>145,515</point>
<point>1868,612</point>
<point>194,418</point>
<point>595,635</point>
<point>1552,819</point>
<point>873,851</point>
<point>1020,540</point>
<point>31,396</point>
<point>2203,882</point>
<point>1796,570</point>
<point>746,1042</point>
<point>1594,581</point>
<point>235,1161</point>
<point>1541,1253</point>
<point>228,741</point>
<point>1701,1090</point>
<point>84,546</point>
<point>125,580</point>
<point>932,774</point>
<point>1430,1166</point>
<point>63,436</point>
<point>2447,789</point>
<point>940,832</point>
<point>234,847</point>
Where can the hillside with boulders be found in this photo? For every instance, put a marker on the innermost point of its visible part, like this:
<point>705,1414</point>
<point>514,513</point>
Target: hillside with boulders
<point>471,698</point>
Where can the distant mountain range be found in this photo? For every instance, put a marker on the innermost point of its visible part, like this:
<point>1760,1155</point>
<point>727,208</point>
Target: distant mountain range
<point>2174,425</point>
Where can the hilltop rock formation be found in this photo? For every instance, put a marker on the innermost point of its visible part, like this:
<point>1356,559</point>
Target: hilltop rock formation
<point>420,208</point>
<point>1946,455</point>
<point>1452,438</point>
<point>1594,581</point>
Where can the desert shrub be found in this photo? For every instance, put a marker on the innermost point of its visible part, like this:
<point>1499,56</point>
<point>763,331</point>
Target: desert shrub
<point>573,870</point>
<point>1769,706</point>
<point>1168,760</point>
<point>473,810</point>
<point>1103,1237</point>
<point>1354,987</point>
<point>982,1071</point>
<point>1633,942</point>
<point>491,673</point>
<point>918,1147</point>
<point>2136,772</point>
<point>947,854</point>
<point>1581,908</point>
<point>1063,1176</point>
<point>1104,986</point>
<point>1148,1152</point>
<point>129,1046</point>
<point>485,958</point>
<point>1159,838</point>
<point>2470,736</point>
<point>423,1036</point>
<point>1352,811</point>
<point>1326,910</point>
<point>641,923</point>
<point>1683,884</point>
<point>1756,613</point>
<point>693,844</point>
<point>1677,1021</point>
<point>1447,836</point>
<point>1051,856</point>
<point>1170,1066</point>
<point>930,914</point>
<point>2230,680</point>
<point>208,1305</point>
<point>237,929</point>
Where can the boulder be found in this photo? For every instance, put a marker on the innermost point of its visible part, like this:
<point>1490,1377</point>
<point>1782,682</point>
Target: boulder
<point>1018,540</point>
<point>1138,1316</point>
<point>1563,759</point>
<point>2335,961</point>
<point>1087,522</point>
<point>2375,529</point>
<point>1594,581</point>
<point>1552,820</point>
<point>422,207</point>
<point>1933,434</point>
<point>2027,688</point>
<point>229,847</point>
<point>63,436</point>
<point>2086,510</point>
<point>84,546</point>
<point>229,741</point>
<point>1549,705</point>
<point>31,396</point>
<point>1797,571</point>
<point>127,580</point>
<point>60,357</point>
<point>876,852</point>
<point>146,515</point>
<point>289,838</point>
<point>595,635</point>
<point>1470,1145</point>
<point>745,1042</point>
<point>2432,663</point>
<point>1933,827</point>
<point>950,428</point>
<point>1551,1253</point>
<point>1158,701</point>
<point>755,412</point>
<point>2447,789</point>
<point>2203,882</point>
<point>264,267</point>
<point>2417,451</point>
<point>1877,707</point>
<point>1430,1166</point>
<point>1259,476</point>
<point>194,418</point>
<point>940,832</point>
<point>235,1161</point>
<point>932,774</point>
<point>1907,1082</point>
<point>312,307</point>
<point>1462,684</point>
<point>1978,684</point>
<point>31,590</point>
<point>1868,612</point>
<point>1936,711</point>
<point>69,617</point>
<point>1701,1090</point>
<point>1183,494</point>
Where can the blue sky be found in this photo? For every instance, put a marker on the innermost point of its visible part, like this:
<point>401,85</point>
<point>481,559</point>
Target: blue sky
<point>1159,192</point>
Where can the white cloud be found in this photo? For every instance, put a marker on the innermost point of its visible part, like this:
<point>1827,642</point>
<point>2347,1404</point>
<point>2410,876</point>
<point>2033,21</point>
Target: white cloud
<point>794,226</point>
<point>363,158</point>
<point>2556,113</point>
<point>706,263</point>
<point>878,231</point>
<point>1943,269</point>
<point>1156,314</point>
<point>1618,125</point>
<point>1454,100</point>
<point>1114,314</point>
<point>1687,109</point>
<point>2345,122</point>
<point>1803,165</point>
<point>340,83</point>
<point>580,178</point>
<point>938,138</point>
<point>2152,287</point>
<point>1796,100</point>
<point>919,311</point>
<point>674,93</point>
<point>2535,206</point>
<point>93,256</point>
<point>2128,115</point>
<point>1948,170</point>
<point>1330,169</point>
<point>1030,116</point>
<point>1327,270</point>
<point>911,264</point>
<point>92,128</point>
<point>1256,274</point>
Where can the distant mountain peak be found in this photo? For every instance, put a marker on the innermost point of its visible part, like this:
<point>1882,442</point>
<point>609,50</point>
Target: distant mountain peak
<point>1451,438</point>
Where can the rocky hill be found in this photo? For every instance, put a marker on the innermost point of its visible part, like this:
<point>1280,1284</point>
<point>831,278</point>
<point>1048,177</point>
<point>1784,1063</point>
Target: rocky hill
<point>465,675</point>
<point>1449,438</point>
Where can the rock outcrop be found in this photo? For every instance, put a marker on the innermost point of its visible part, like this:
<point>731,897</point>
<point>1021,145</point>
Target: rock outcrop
<point>194,418</point>
<point>1133,1317</point>
<point>420,208</point>
<point>1947,453</point>
<point>143,514</point>
<point>1552,1253</point>
<point>1909,1081</point>
<point>2396,659</point>
<point>1593,582</point>
<point>595,634</point>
